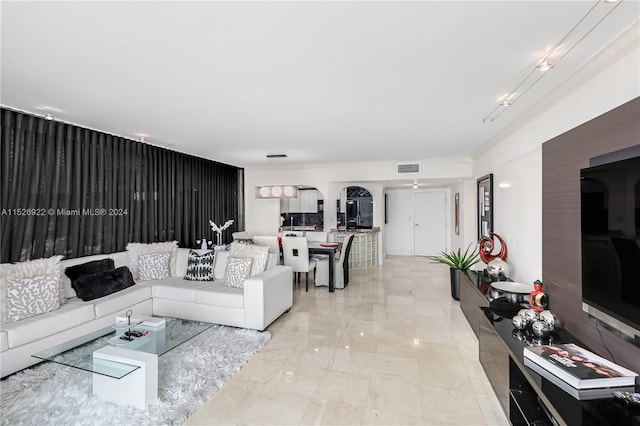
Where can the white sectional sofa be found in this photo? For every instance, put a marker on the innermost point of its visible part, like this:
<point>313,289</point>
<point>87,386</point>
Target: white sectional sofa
<point>265,297</point>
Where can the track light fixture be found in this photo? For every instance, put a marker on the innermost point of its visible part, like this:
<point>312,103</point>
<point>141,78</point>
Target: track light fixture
<point>561,49</point>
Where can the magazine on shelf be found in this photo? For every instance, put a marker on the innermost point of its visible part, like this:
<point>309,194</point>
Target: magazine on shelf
<point>579,367</point>
<point>580,394</point>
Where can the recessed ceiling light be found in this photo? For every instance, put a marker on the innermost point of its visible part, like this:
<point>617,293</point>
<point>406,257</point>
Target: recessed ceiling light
<point>48,117</point>
<point>276,155</point>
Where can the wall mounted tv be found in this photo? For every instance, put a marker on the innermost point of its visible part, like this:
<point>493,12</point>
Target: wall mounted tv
<point>610,225</point>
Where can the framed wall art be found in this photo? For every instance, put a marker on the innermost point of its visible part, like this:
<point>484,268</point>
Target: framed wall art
<point>485,206</point>
<point>457,212</point>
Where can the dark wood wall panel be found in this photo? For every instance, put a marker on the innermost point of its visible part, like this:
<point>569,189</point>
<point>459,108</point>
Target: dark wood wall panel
<point>562,159</point>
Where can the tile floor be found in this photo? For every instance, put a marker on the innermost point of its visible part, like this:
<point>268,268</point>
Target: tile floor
<point>393,348</point>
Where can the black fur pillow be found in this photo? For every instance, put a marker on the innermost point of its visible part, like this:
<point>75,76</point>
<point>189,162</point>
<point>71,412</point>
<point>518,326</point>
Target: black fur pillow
<point>94,286</point>
<point>76,271</point>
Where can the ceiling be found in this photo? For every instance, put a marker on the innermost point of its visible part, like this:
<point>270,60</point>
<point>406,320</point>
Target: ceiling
<point>323,82</point>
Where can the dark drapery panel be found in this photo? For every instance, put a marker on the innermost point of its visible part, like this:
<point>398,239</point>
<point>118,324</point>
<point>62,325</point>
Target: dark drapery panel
<point>76,192</point>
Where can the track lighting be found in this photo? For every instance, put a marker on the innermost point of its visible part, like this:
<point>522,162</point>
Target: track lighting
<point>561,49</point>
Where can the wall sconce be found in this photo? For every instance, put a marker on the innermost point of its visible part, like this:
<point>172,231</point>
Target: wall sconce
<point>277,191</point>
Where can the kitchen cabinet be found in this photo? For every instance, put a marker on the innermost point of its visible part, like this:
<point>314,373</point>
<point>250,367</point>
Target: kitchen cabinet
<point>309,201</point>
<point>295,204</point>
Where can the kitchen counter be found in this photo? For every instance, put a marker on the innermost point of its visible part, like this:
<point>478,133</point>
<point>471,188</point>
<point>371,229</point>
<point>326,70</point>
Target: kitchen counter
<point>364,248</point>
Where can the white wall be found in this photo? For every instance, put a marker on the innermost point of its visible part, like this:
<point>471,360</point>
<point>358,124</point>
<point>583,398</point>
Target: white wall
<point>515,159</point>
<point>262,216</point>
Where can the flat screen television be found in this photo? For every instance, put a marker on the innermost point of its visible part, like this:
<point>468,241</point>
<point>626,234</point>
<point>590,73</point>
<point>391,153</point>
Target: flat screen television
<point>610,230</point>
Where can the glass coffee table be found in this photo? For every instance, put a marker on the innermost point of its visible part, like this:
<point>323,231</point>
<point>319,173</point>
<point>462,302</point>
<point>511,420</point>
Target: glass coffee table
<point>124,372</point>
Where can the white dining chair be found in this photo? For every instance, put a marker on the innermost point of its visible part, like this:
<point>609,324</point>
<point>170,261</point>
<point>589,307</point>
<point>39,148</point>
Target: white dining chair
<point>296,254</point>
<point>292,233</point>
<point>340,268</point>
<point>268,241</point>
<point>320,237</point>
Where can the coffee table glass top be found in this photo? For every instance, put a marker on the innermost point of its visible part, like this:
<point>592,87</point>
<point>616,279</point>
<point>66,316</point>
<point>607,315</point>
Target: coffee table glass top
<point>78,353</point>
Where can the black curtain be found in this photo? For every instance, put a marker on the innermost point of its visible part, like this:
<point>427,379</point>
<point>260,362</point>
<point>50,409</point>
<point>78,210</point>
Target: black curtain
<point>76,192</point>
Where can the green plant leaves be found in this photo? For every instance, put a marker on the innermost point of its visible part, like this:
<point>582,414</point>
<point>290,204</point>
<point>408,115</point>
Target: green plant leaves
<point>457,259</point>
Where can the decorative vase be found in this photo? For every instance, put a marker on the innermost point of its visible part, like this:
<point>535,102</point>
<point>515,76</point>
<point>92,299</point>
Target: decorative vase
<point>204,244</point>
<point>219,238</point>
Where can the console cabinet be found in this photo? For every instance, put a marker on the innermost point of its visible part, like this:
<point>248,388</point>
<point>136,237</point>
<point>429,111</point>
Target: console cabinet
<point>528,398</point>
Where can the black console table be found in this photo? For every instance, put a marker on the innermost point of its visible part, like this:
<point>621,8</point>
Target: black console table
<point>527,397</point>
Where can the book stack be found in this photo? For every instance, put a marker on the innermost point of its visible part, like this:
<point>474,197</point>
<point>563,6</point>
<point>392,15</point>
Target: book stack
<point>587,374</point>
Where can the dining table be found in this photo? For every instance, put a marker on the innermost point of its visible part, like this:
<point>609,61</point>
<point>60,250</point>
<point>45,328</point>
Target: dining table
<point>330,249</point>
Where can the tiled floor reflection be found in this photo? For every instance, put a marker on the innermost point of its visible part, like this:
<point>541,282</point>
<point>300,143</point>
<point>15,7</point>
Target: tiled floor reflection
<point>393,348</point>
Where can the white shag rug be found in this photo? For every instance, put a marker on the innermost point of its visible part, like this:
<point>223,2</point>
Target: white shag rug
<point>52,394</point>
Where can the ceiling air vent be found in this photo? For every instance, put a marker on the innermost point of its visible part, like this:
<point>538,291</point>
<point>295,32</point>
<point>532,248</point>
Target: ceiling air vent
<point>408,168</point>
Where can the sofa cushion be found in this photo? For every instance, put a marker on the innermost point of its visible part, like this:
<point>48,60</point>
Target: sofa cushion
<point>154,266</point>
<point>28,269</point>
<point>258,254</point>
<point>122,300</point>
<point>175,289</point>
<point>134,250</point>
<point>238,270</point>
<point>72,314</point>
<point>218,294</point>
<point>4,341</point>
<point>103,283</point>
<point>32,296</point>
<point>93,267</point>
<point>220,264</point>
<point>200,266</point>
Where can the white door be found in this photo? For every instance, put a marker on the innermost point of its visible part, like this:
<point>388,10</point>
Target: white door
<point>430,222</point>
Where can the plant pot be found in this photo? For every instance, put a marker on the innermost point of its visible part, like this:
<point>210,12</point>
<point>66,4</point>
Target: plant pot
<point>455,283</point>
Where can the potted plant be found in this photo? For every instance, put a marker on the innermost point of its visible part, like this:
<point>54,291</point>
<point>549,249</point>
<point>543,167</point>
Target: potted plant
<point>457,261</point>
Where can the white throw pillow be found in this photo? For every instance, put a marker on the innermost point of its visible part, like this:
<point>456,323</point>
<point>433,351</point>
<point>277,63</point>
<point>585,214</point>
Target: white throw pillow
<point>154,266</point>
<point>134,250</point>
<point>29,269</point>
<point>258,254</point>
<point>237,270</point>
<point>28,297</point>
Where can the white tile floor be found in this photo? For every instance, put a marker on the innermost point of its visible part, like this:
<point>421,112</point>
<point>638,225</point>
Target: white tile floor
<point>393,348</point>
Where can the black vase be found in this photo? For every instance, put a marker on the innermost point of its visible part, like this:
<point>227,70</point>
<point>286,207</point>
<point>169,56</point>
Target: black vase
<point>455,283</point>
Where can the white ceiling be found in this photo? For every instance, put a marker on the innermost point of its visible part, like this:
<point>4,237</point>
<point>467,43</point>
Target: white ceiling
<point>323,82</point>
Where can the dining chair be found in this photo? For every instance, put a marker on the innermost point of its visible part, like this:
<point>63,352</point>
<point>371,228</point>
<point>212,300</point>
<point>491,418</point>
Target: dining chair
<point>268,241</point>
<point>317,236</point>
<point>292,233</point>
<point>296,254</point>
<point>340,279</point>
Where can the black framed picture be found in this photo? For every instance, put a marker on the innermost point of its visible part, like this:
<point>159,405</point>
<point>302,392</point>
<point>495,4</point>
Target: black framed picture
<point>485,206</point>
<point>457,212</point>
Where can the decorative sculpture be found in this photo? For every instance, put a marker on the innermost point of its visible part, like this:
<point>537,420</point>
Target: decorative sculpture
<point>486,248</point>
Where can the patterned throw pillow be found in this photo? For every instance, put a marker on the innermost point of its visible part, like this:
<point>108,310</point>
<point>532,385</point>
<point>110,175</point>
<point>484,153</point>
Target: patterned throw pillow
<point>258,254</point>
<point>29,269</point>
<point>200,266</point>
<point>28,297</point>
<point>135,250</point>
<point>238,270</point>
<point>154,266</point>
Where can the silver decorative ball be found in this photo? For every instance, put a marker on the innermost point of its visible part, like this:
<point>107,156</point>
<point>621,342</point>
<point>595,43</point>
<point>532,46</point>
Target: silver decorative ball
<point>498,267</point>
<point>548,317</point>
<point>520,322</point>
<point>531,315</point>
<point>540,329</point>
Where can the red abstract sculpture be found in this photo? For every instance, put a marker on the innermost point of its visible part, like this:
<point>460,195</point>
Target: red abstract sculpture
<point>486,247</point>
